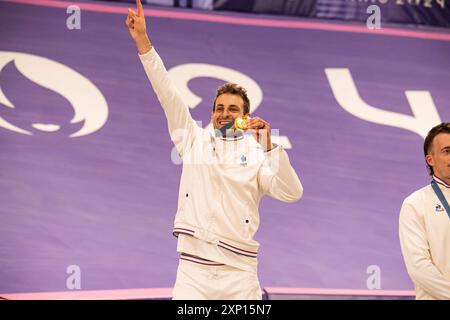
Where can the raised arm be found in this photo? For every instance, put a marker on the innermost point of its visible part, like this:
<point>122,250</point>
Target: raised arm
<point>138,30</point>
<point>181,125</point>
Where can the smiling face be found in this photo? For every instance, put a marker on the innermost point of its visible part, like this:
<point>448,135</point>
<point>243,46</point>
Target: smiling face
<point>227,107</point>
<point>439,156</point>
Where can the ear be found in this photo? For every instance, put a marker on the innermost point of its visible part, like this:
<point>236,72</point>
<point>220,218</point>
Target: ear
<point>429,159</point>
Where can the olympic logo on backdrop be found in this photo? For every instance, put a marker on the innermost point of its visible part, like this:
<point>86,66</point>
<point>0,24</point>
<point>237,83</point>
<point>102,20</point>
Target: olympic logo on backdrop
<point>88,102</point>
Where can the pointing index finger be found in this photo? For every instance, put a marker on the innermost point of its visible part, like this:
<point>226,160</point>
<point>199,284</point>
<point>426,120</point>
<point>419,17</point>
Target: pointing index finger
<point>140,9</point>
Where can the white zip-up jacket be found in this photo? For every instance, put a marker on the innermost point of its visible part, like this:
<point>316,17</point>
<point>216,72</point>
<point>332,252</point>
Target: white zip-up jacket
<point>223,179</point>
<point>424,230</point>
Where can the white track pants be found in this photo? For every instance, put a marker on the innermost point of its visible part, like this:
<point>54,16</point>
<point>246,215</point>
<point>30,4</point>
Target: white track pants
<point>196,281</point>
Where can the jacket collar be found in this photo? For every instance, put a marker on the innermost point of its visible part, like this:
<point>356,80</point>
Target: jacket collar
<point>231,135</point>
<point>441,182</point>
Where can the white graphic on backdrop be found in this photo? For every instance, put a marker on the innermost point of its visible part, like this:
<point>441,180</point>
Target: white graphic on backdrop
<point>86,99</point>
<point>182,74</point>
<point>425,115</point>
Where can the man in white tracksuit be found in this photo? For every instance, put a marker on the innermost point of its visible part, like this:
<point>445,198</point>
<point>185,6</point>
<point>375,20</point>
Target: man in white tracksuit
<point>225,174</point>
<point>424,225</point>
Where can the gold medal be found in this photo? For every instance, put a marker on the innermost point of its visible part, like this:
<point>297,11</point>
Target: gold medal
<point>240,123</point>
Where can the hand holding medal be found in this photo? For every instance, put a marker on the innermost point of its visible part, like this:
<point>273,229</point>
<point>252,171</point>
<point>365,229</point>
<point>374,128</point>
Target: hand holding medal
<point>259,127</point>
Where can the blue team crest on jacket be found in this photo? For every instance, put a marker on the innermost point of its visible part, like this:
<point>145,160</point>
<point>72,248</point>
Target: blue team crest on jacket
<point>439,208</point>
<point>243,160</point>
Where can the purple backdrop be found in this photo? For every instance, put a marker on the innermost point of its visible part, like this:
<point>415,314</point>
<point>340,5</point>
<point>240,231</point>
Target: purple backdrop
<point>106,201</point>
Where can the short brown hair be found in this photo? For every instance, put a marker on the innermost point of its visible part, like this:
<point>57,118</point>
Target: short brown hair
<point>233,88</point>
<point>444,127</point>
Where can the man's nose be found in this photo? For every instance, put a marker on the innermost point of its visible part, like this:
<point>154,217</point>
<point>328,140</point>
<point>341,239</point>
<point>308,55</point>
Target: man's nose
<point>226,113</point>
